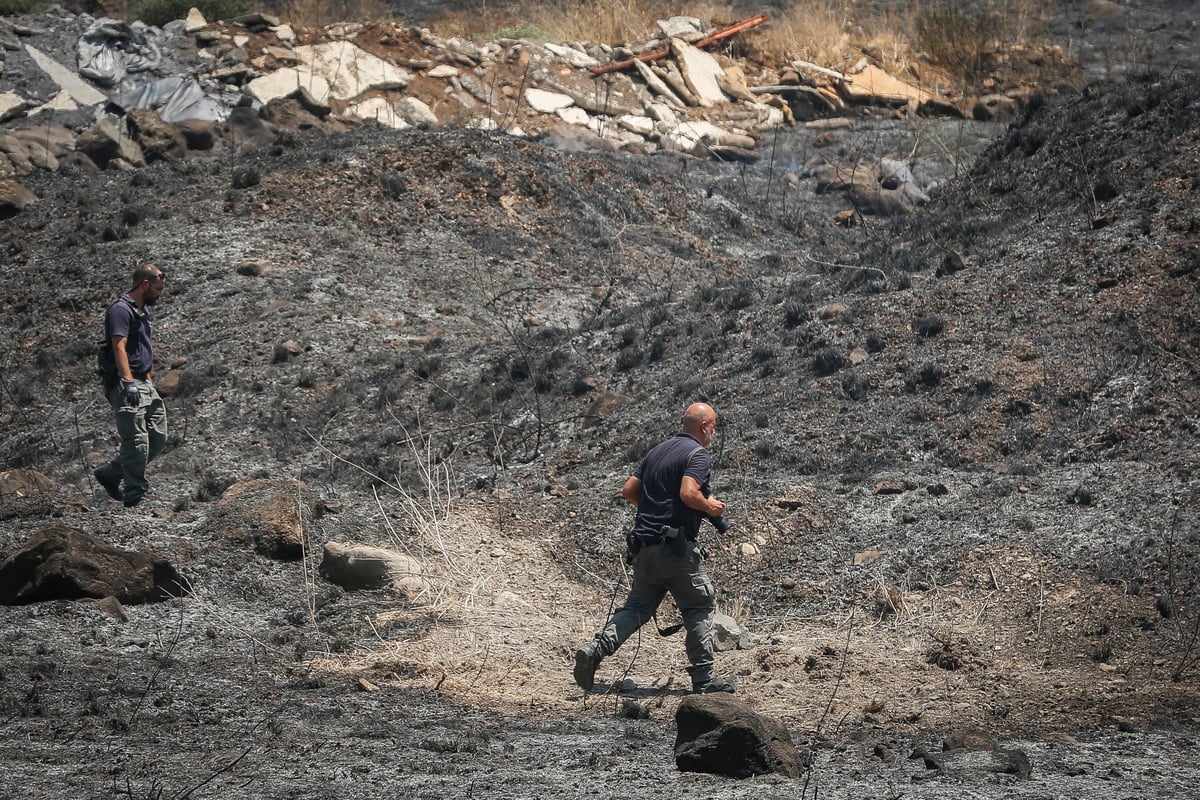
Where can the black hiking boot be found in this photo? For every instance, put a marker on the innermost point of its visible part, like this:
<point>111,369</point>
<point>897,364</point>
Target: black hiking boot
<point>587,658</point>
<point>110,482</point>
<point>717,683</point>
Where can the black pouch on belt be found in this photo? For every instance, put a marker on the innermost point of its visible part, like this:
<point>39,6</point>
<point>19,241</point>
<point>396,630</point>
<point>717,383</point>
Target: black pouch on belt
<point>676,540</point>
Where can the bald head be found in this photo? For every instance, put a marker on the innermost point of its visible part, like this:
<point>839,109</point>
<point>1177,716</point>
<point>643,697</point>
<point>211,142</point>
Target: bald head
<point>700,421</point>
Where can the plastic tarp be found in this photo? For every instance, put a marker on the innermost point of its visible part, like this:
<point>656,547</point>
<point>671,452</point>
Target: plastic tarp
<point>175,100</point>
<point>109,49</point>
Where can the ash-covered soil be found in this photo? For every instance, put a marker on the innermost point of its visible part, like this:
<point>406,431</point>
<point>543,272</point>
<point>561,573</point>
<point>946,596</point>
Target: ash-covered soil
<point>958,449</point>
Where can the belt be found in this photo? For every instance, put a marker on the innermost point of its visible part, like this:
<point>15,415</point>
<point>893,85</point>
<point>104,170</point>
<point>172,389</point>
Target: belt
<point>139,376</point>
<point>648,541</point>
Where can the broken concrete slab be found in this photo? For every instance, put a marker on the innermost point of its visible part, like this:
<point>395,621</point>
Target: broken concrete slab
<point>416,112</point>
<point>349,70</point>
<point>573,115</point>
<point>576,58</point>
<point>283,82</point>
<point>642,126</point>
<point>545,102</point>
<point>13,105</point>
<point>873,85</point>
<point>195,21</point>
<point>80,90</point>
<point>380,110</point>
<point>701,73</point>
<point>695,136</point>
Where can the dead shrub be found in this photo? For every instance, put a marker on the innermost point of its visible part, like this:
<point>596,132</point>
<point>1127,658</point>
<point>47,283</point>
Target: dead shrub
<point>318,13</point>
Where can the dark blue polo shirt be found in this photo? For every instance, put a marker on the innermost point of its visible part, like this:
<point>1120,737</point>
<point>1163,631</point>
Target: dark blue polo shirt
<point>661,473</point>
<point>124,319</point>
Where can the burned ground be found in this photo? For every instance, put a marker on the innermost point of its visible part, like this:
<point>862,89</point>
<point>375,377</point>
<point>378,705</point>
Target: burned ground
<point>958,451</point>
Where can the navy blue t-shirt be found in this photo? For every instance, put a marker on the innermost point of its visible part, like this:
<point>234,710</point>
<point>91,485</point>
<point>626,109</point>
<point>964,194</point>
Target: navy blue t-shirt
<point>661,473</point>
<point>124,319</point>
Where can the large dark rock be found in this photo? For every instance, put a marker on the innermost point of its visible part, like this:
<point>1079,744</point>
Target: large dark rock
<point>105,142</point>
<point>720,734</point>
<point>14,198</point>
<point>265,514</point>
<point>245,132</point>
<point>160,140</point>
<point>62,563</point>
<point>287,112</point>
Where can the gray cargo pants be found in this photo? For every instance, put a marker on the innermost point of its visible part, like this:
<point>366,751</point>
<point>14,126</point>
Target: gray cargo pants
<point>143,431</point>
<point>657,569</point>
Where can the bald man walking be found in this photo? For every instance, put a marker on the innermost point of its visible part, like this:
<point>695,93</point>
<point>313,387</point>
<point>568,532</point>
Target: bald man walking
<point>671,493</point>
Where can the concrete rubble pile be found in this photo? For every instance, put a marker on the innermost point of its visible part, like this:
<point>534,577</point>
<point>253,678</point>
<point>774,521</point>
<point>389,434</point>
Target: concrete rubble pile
<point>137,94</point>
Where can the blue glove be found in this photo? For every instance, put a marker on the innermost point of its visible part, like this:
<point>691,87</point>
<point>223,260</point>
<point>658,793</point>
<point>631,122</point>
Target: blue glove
<point>132,396</point>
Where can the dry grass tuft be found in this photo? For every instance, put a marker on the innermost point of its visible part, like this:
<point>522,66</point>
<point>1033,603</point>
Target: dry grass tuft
<point>318,13</point>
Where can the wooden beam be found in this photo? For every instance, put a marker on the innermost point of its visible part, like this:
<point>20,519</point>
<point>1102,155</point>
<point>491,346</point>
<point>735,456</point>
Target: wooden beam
<point>658,55</point>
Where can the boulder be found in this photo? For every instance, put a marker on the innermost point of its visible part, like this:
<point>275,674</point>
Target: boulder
<point>245,132</point>
<point>105,142</point>
<point>169,384</point>
<point>160,141</point>
<point>288,112</point>
<point>23,483</point>
<point>721,735</point>
<point>62,563</point>
<point>358,566</point>
<point>992,107</point>
<point>14,198</point>
<point>14,106</point>
<point>55,139</point>
<point>78,162</point>
<point>267,514</point>
<point>416,112</point>
<point>200,134</point>
<point>728,634</point>
<point>696,137</point>
<point>865,186</point>
<point>194,21</point>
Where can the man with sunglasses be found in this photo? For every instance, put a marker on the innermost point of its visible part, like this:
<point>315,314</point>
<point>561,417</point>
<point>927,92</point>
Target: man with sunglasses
<point>140,414</point>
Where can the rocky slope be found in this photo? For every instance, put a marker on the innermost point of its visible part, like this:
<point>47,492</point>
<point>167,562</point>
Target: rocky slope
<point>958,452</point>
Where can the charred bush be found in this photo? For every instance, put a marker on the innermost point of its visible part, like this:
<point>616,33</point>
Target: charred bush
<point>929,325</point>
<point>427,366</point>
<point>132,215</point>
<point>245,177</point>
<point>765,448</point>
<point>518,370</point>
<point>1104,190</point>
<point>828,361</point>
<point>875,342</point>
<point>394,185</point>
<point>929,376</point>
<point>741,295</point>
<point>688,388</point>
<point>855,386</point>
<point>628,358</point>
<point>442,401</point>
<point>794,314</point>
<point>762,354</point>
